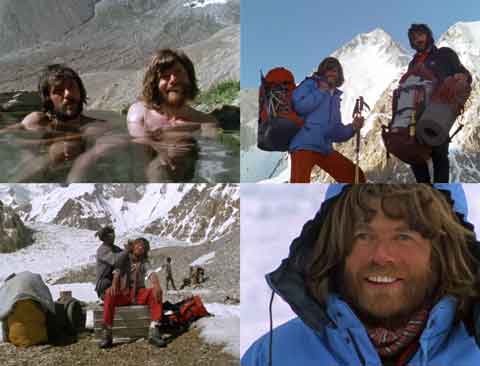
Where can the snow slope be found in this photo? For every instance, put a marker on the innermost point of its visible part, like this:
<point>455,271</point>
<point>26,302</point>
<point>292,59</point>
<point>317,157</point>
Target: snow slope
<point>157,201</point>
<point>370,62</point>
<point>204,259</point>
<point>464,38</point>
<point>64,249</point>
<point>223,328</point>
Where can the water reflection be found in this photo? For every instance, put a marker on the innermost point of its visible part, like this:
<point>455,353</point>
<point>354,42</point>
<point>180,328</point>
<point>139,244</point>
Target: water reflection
<point>113,157</point>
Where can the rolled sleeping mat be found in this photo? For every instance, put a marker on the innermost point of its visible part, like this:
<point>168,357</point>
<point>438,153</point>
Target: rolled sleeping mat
<point>434,126</point>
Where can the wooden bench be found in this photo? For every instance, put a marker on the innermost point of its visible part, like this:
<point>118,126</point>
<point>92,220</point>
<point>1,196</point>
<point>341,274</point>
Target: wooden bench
<point>130,323</point>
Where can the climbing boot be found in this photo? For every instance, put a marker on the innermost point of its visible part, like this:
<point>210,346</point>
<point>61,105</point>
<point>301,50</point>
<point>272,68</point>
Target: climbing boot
<point>107,340</point>
<point>155,338</point>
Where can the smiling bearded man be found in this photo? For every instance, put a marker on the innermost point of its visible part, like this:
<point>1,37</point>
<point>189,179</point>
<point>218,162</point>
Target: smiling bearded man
<point>383,275</point>
<point>163,120</point>
<point>388,281</point>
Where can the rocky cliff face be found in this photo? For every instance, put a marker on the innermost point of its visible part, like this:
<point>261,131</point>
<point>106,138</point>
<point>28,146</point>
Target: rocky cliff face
<point>187,212</point>
<point>14,235</point>
<point>204,213</point>
<point>26,23</point>
<point>110,41</point>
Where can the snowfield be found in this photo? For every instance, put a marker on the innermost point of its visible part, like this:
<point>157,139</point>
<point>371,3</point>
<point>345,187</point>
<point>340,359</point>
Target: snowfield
<point>72,249</point>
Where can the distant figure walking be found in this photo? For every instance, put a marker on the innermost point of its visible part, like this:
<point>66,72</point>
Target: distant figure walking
<point>169,274</point>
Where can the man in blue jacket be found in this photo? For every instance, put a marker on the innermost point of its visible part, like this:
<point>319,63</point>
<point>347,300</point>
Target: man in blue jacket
<point>317,101</point>
<point>383,275</point>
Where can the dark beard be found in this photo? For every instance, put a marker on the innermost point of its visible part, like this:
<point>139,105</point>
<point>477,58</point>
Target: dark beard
<point>176,101</point>
<point>422,49</point>
<point>64,116</point>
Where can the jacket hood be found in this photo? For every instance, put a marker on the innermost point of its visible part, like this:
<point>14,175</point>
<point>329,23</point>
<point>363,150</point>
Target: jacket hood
<point>287,280</point>
<point>420,28</point>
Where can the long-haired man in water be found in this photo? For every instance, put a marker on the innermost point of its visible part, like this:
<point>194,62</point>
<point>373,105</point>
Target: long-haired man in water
<point>163,120</point>
<point>60,124</point>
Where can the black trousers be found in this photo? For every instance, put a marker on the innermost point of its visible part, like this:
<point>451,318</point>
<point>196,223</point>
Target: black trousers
<point>441,166</point>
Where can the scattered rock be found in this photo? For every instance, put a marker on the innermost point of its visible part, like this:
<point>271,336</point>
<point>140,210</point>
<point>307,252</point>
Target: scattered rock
<point>186,350</point>
<point>20,101</point>
<point>14,235</point>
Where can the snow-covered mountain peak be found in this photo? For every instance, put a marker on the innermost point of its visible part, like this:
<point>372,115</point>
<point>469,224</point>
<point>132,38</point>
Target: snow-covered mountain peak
<point>376,36</point>
<point>468,32</point>
<point>195,212</point>
<point>370,62</point>
<point>464,38</point>
<point>378,41</point>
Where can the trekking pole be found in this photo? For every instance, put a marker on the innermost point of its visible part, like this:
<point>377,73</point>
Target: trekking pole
<point>357,112</point>
<point>357,162</point>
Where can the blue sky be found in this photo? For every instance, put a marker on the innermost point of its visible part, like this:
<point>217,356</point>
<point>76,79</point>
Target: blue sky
<point>298,34</point>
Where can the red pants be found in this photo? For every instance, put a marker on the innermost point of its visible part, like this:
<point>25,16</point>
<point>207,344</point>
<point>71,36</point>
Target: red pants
<point>144,297</point>
<point>338,166</point>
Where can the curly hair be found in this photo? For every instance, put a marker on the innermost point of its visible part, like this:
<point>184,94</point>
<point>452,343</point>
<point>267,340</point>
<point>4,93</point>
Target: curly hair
<point>144,242</point>
<point>330,63</point>
<point>425,210</point>
<point>104,231</point>
<point>53,74</point>
<point>163,60</point>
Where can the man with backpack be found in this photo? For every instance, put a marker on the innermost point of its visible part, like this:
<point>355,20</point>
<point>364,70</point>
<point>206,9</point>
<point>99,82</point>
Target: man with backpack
<point>444,64</point>
<point>317,101</point>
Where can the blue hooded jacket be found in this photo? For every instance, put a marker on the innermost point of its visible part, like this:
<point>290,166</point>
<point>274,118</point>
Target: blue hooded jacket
<point>332,334</point>
<point>323,122</point>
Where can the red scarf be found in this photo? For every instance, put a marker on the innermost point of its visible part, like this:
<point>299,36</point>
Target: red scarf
<point>392,342</point>
<point>421,57</point>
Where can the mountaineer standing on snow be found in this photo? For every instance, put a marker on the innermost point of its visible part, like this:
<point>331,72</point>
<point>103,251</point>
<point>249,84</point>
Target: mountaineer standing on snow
<point>317,101</point>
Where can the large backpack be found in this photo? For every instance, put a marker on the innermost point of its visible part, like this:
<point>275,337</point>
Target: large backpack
<point>277,121</point>
<point>183,313</point>
<point>408,103</point>
<point>68,321</point>
<point>446,104</point>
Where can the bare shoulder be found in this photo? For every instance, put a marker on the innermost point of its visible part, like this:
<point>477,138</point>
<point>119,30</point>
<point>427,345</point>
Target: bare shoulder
<point>35,121</point>
<point>136,112</point>
<point>200,117</point>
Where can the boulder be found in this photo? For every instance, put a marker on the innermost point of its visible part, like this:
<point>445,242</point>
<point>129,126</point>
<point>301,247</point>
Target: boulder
<point>228,117</point>
<point>14,235</point>
<point>20,101</point>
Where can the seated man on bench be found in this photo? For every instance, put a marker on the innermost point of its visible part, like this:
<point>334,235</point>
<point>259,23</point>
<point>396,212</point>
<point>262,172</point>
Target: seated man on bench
<point>128,288</point>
